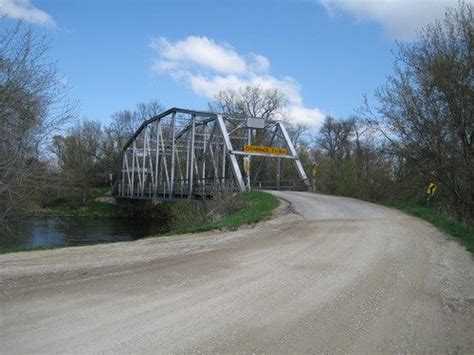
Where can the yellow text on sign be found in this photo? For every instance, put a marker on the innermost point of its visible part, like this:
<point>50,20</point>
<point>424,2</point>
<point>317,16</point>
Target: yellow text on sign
<point>262,149</point>
<point>432,187</point>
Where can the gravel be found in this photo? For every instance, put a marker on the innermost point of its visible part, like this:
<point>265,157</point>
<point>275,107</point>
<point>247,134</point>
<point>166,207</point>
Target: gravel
<point>333,275</point>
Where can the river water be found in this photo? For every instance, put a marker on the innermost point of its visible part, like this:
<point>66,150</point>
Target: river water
<point>36,232</point>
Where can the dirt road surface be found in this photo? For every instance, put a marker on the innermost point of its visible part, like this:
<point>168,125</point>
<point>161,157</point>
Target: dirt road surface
<point>333,275</point>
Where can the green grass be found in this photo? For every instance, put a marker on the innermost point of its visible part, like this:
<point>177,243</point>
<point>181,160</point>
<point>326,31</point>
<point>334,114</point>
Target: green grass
<point>258,206</point>
<point>463,233</point>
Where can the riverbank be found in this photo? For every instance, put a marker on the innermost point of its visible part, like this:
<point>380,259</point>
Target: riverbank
<point>228,212</point>
<point>99,203</point>
<point>253,206</point>
<point>91,209</point>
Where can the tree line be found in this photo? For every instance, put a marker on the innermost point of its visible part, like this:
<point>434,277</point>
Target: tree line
<point>418,130</point>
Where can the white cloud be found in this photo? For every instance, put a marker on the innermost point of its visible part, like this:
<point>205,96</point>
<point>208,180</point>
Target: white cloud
<point>209,86</point>
<point>310,116</point>
<point>400,18</point>
<point>260,63</point>
<point>200,51</point>
<point>209,67</point>
<point>24,10</point>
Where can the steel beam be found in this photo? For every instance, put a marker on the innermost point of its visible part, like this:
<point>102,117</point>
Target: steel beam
<point>291,147</point>
<point>233,161</point>
<point>239,152</point>
<point>191,158</point>
<point>173,148</point>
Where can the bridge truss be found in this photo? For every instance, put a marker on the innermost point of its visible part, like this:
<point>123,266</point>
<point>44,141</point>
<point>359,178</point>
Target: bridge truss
<point>191,154</point>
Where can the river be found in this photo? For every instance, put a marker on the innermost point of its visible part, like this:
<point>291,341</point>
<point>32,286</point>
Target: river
<point>45,232</point>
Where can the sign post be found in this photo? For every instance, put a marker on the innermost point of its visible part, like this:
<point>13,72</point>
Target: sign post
<point>249,142</point>
<point>246,165</point>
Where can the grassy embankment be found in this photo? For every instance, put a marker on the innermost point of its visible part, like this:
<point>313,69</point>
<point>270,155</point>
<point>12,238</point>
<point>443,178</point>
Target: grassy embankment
<point>251,207</point>
<point>68,206</point>
<point>183,217</point>
<point>463,233</point>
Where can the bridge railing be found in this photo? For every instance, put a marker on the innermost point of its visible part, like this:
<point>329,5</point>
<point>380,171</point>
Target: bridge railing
<point>291,185</point>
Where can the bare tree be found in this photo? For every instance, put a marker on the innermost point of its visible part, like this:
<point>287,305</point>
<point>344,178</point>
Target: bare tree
<point>79,157</point>
<point>335,137</point>
<point>88,153</point>
<point>32,106</point>
<point>252,100</point>
<point>298,134</point>
<point>351,160</point>
<point>427,107</point>
<point>147,110</point>
<point>123,126</point>
<point>125,123</point>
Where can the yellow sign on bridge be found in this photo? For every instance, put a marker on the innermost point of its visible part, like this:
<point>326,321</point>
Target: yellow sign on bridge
<point>265,150</point>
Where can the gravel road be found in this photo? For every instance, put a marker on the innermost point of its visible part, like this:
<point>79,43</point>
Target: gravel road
<point>332,275</point>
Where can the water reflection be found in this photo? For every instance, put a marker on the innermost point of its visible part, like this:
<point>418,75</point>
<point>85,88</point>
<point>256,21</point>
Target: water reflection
<point>35,232</point>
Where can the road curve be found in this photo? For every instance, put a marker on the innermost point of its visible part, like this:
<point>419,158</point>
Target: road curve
<point>333,275</point>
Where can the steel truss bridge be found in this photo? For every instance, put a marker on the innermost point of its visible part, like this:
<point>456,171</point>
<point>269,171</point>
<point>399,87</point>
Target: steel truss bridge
<point>184,154</point>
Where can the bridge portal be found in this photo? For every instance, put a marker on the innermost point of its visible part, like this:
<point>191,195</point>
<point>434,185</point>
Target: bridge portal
<point>185,154</point>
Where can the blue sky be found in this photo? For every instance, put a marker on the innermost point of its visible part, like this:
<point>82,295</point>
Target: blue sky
<point>324,54</point>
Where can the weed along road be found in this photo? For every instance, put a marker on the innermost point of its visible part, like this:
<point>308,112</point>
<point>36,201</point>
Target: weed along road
<point>332,275</point>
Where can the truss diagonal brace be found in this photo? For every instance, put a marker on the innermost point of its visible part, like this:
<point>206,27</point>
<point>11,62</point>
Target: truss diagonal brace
<point>233,160</point>
<point>296,161</point>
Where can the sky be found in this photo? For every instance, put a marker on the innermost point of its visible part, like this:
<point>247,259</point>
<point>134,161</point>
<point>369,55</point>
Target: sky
<point>324,55</point>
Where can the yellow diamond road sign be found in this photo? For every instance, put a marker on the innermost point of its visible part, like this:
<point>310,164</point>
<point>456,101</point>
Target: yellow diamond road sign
<point>432,187</point>
<point>265,150</point>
